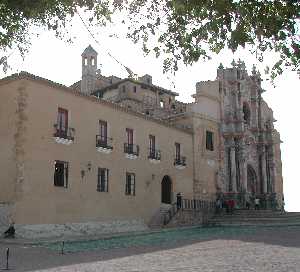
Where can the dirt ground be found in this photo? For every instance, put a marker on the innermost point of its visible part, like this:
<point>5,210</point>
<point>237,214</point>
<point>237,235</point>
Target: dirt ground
<point>239,249</point>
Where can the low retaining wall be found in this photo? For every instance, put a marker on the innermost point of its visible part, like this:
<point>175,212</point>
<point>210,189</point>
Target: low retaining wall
<point>187,218</point>
<point>5,216</point>
<point>44,231</point>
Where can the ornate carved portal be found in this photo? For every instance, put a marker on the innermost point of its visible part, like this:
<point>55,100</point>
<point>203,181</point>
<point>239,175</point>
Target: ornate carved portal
<point>252,185</point>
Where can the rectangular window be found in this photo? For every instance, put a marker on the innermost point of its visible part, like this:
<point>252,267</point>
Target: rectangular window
<point>61,173</point>
<point>102,181</point>
<point>62,120</point>
<point>209,140</point>
<point>103,131</point>
<point>152,143</point>
<point>130,184</point>
<point>129,135</point>
<point>177,151</point>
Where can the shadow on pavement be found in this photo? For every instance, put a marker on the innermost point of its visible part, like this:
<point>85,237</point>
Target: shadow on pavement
<point>49,255</point>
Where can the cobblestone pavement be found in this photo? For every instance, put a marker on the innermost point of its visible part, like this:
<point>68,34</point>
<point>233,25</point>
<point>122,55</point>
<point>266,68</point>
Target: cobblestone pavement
<point>216,255</point>
<point>259,250</point>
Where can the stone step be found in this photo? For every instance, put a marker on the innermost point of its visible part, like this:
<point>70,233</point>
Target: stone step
<point>263,217</point>
<point>263,212</point>
<point>257,212</point>
<point>257,216</point>
<point>255,219</point>
<point>218,223</point>
<point>265,224</point>
<point>237,217</point>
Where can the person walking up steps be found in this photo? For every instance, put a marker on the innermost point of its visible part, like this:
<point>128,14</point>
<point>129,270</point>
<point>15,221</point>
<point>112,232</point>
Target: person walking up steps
<point>178,201</point>
<point>256,202</point>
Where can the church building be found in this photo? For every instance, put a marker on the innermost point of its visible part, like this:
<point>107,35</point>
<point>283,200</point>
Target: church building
<point>113,151</point>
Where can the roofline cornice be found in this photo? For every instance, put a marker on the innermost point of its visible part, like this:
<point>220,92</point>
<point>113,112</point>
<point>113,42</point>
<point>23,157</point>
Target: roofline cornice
<point>145,85</point>
<point>27,76</point>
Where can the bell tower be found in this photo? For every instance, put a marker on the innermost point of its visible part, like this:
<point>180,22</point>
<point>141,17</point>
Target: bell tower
<point>89,68</point>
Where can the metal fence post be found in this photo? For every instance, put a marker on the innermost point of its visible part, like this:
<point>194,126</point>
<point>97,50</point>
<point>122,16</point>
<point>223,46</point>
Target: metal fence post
<point>7,257</point>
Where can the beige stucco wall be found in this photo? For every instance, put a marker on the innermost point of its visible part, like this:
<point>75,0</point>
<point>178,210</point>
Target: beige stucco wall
<point>207,99</point>
<point>42,202</point>
<point>8,119</point>
<point>206,161</point>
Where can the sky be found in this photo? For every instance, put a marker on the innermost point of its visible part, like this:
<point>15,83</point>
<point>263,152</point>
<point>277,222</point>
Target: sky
<point>60,61</point>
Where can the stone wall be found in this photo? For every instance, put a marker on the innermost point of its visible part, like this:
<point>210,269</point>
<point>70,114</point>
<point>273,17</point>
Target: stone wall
<point>190,218</point>
<point>73,230</point>
<point>5,216</point>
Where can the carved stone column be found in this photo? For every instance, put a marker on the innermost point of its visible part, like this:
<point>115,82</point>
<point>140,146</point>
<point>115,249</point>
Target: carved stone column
<point>272,169</point>
<point>233,166</point>
<point>264,171</point>
<point>243,168</point>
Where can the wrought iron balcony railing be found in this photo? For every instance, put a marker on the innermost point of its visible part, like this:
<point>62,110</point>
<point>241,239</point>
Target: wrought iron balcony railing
<point>131,149</point>
<point>180,161</point>
<point>103,142</point>
<point>64,133</point>
<point>154,154</point>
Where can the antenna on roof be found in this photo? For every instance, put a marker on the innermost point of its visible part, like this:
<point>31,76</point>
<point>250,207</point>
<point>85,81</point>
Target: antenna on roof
<point>131,74</point>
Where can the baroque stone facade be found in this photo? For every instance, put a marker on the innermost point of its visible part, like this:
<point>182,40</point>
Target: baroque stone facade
<point>121,147</point>
<point>249,143</point>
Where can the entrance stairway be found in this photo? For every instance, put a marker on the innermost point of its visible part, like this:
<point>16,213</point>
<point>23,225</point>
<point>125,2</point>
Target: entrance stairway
<point>163,216</point>
<point>244,217</point>
<point>192,212</point>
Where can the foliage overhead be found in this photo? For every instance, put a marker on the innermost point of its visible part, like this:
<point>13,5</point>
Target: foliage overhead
<point>190,30</point>
<point>19,17</point>
<point>179,30</point>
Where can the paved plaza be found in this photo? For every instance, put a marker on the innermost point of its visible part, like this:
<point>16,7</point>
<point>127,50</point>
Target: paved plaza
<point>215,249</point>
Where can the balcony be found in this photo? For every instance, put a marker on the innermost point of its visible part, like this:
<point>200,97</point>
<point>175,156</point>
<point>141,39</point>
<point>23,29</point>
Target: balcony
<point>63,135</point>
<point>104,144</point>
<point>180,162</point>
<point>131,151</point>
<point>154,155</point>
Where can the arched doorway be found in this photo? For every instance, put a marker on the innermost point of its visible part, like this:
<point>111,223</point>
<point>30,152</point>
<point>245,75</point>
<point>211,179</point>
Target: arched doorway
<point>251,180</point>
<point>166,190</point>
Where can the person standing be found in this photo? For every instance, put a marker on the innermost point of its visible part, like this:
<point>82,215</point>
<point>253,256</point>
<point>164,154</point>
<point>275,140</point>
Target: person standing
<point>282,205</point>
<point>218,205</point>
<point>179,201</point>
<point>256,202</point>
<point>10,232</point>
<point>247,200</point>
<point>231,204</point>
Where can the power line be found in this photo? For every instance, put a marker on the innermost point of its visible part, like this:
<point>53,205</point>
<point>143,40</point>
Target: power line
<point>128,70</point>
